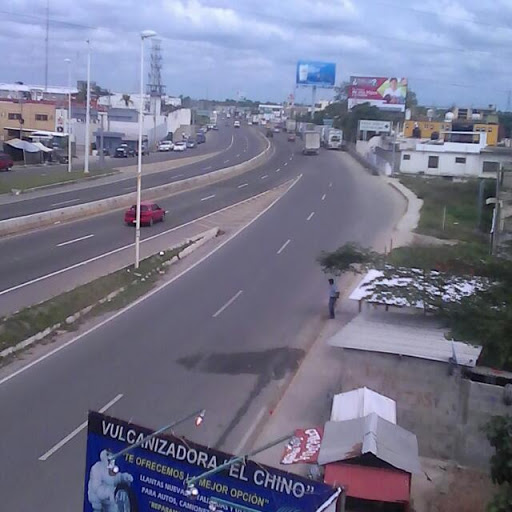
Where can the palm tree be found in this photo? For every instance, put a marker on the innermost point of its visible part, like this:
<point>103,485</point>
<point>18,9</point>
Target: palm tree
<point>127,100</point>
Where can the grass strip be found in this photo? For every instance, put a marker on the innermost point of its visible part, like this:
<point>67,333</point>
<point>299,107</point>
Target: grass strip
<point>456,203</point>
<point>34,319</point>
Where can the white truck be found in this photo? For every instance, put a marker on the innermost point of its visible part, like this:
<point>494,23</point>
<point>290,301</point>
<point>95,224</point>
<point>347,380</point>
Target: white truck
<point>291,125</point>
<point>255,119</point>
<point>334,139</point>
<point>311,143</point>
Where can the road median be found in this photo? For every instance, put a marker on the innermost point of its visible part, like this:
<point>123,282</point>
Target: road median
<point>72,213</point>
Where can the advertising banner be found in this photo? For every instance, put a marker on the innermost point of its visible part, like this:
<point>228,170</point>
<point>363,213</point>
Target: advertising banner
<point>319,74</point>
<point>304,447</point>
<point>384,93</point>
<point>152,477</point>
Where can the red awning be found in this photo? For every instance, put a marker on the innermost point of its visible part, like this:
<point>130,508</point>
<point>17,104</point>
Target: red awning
<point>369,483</point>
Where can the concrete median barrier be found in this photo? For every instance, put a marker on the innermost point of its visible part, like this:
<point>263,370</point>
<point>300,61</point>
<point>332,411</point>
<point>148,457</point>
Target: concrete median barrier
<point>71,213</point>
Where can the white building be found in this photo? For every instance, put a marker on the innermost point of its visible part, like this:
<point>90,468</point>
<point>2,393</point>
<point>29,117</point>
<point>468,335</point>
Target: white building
<point>35,92</point>
<point>454,159</point>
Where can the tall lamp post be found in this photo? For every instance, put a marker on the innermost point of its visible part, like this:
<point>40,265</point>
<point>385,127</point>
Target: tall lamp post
<point>68,62</point>
<point>88,109</point>
<point>146,34</point>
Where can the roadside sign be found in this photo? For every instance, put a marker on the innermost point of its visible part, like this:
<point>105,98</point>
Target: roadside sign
<point>153,476</point>
<point>374,126</point>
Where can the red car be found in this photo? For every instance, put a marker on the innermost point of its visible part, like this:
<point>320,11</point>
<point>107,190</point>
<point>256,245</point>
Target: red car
<point>149,213</point>
<point>6,162</point>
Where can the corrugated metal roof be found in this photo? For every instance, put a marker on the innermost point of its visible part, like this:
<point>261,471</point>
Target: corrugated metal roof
<point>352,438</point>
<point>361,402</point>
<point>413,335</point>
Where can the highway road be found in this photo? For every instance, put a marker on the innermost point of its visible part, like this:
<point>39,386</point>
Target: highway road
<point>62,246</point>
<point>236,146</point>
<point>224,336</point>
<point>220,139</point>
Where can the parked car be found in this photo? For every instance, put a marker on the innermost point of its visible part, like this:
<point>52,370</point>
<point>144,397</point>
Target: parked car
<point>180,146</point>
<point>215,127</point>
<point>291,137</point>
<point>124,151</point>
<point>149,213</point>
<point>236,124</point>
<point>191,143</point>
<point>200,138</point>
<point>6,162</point>
<point>165,145</point>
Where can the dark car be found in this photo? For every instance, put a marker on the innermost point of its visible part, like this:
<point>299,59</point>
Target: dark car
<point>6,162</point>
<point>291,137</point>
<point>200,138</point>
<point>149,213</point>
<point>124,151</point>
<point>191,143</point>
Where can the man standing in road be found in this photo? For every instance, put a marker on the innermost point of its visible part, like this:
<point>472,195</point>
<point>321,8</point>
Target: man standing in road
<point>334,295</point>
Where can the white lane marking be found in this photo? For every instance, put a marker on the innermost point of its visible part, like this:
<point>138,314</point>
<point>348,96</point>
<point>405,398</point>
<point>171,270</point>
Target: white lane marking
<point>330,185</point>
<point>283,247</point>
<point>250,431</point>
<point>66,202</point>
<point>310,216</point>
<point>77,430</point>
<point>245,150</point>
<point>291,157</point>
<point>178,176</point>
<point>130,188</point>
<point>238,155</point>
<point>206,168</point>
<point>207,197</point>
<point>226,161</point>
<point>243,185</point>
<point>75,240</point>
<point>264,176</point>
<point>228,303</point>
<point>323,197</point>
<point>152,292</point>
<point>278,170</point>
<point>286,163</point>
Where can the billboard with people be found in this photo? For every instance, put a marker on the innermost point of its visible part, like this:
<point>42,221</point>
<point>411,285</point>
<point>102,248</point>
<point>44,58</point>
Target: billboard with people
<point>155,476</point>
<point>384,93</point>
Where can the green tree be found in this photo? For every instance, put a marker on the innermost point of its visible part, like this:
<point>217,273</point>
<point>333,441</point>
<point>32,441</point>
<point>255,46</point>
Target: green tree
<point>499,434</point>
<point>127,99</point>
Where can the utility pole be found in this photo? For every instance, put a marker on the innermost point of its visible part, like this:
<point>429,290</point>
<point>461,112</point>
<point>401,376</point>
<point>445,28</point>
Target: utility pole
<point>88,110</point>
<point>46,42</point>
<point>68,62</point>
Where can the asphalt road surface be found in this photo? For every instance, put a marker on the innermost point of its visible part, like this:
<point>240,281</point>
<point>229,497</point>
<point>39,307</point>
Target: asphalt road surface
<point>222,336</point>
<point>64,245</point>
<point>219,136</point>
<point>246,144</point>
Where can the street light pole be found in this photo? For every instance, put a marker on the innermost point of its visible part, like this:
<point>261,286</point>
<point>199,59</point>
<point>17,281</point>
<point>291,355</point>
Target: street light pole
<point>68,62</point>
<point>88,109</point>
<point>144,35</point>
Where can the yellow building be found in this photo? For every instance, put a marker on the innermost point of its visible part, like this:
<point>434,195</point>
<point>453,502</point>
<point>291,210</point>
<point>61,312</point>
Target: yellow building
<point>427,128</point>
<point>36,115</point>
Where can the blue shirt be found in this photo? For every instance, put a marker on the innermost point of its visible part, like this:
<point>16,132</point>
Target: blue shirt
<point>333,290</point>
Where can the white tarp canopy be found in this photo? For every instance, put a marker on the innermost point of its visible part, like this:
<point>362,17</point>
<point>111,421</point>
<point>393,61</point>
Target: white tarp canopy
<point>29,147</point>
<point>361,402</point>
<point>42,147</point>
<point>404,334</point>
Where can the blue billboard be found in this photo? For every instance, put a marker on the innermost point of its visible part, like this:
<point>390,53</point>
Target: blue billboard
<point>153,477</point>
<point>319,74</point>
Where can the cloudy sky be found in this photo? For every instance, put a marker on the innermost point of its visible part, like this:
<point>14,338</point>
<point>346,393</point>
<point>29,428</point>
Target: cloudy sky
<point>452,51</point>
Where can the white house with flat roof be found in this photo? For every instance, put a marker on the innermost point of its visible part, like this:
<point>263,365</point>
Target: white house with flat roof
<point>455,159</point>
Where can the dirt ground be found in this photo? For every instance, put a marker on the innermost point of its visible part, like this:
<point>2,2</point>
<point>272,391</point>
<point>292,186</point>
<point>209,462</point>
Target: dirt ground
<point>447,487</point>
